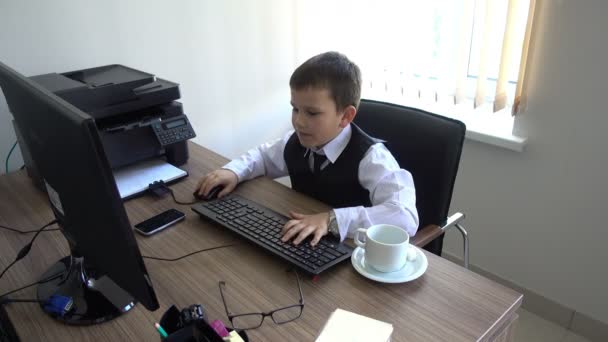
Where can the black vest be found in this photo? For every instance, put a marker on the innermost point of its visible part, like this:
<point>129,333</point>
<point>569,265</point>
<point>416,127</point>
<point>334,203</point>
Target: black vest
<point>337,184</point>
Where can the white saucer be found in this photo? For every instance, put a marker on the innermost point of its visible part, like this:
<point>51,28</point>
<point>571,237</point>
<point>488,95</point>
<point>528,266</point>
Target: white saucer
<point>411,270</point>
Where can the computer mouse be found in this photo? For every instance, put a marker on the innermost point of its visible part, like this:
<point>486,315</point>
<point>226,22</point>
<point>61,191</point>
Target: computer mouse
<point>211,195</point>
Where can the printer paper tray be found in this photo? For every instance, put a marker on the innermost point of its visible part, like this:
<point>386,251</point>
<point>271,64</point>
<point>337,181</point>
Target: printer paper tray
<point>134,179</point>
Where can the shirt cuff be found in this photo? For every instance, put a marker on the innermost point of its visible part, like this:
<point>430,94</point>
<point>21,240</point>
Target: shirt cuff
<point>343,220</point>
<point>239,168</point>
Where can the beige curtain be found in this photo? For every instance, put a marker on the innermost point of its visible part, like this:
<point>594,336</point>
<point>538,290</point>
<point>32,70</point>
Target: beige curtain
<point>508,53</point>
<point>520,91</point>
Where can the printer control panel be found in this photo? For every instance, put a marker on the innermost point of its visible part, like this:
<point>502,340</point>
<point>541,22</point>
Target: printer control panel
<point>173,130</point>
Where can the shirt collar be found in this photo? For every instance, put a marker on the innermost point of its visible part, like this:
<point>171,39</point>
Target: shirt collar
<point>334,148</point>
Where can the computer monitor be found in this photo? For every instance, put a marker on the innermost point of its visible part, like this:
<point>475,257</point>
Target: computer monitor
<point>105,273</point>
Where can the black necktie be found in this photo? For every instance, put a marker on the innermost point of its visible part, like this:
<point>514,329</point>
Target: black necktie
<point>319,159</point>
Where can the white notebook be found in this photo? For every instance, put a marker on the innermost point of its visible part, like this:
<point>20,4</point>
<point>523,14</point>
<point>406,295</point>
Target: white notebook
<point>345,326</point>
<point>133,179</point>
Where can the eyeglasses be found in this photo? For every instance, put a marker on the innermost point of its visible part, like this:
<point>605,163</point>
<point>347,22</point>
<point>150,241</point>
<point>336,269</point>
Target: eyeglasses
<point>253,320</point>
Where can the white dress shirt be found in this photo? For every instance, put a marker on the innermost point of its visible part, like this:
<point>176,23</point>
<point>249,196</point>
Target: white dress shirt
<point>391,188</point>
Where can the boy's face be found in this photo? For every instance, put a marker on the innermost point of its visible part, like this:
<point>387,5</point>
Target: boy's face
<point>315,117</point>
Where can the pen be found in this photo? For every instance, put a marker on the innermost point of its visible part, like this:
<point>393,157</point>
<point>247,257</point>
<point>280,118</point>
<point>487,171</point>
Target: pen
<point>161,331</point>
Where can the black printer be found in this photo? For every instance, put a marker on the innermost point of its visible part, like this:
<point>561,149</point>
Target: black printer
<point>136,113</point>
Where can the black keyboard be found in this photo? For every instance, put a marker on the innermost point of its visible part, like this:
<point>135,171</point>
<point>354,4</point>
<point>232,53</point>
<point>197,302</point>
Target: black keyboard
<point>262,226</point>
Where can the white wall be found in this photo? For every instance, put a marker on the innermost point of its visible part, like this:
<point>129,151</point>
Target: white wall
<point>537,218</point>
<point>232,58</point>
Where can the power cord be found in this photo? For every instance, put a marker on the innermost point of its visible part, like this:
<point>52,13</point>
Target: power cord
<point>17,300</point>
<point>57,304</point>
<point>55,276</point>
<point>26,249</point>
<point>42,281</point>
<point>61,305</point>
<point>23,232</point>
<point>9,156</point>
<point>189,254</point>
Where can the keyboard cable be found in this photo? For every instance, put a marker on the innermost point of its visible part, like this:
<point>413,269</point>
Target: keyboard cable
<point>160,188</point>
<point>178,201</point>
<point>189,254</point>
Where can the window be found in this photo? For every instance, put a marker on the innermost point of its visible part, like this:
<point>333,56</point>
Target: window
<point>456,58</point>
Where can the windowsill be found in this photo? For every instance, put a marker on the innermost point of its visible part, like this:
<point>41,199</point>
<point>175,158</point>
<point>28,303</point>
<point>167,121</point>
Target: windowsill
<point>491,128</point>
<point>508,141</point>
<point>483,125</point>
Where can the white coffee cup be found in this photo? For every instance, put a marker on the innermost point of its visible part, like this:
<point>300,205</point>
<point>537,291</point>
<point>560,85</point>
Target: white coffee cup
<point>386,246</point>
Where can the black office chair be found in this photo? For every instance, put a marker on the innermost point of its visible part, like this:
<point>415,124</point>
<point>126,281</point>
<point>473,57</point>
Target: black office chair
<point>428,146</point>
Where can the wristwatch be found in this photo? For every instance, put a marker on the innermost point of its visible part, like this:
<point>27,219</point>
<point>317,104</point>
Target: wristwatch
<point>332,225</point>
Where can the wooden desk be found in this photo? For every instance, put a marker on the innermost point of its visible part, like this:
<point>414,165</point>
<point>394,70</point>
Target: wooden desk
<point>447,303</point>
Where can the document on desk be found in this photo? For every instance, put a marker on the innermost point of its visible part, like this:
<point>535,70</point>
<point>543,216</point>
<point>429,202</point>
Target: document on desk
<point>344,325</point>
<point>134,179</point>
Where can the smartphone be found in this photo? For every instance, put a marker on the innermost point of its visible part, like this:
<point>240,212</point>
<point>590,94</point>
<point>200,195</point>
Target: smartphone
<point>159,222</point>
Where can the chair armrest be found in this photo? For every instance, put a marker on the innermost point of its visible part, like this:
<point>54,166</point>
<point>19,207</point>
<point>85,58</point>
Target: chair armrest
<point>426,235</point>
<point>453,220</point>
<point>432,231</point>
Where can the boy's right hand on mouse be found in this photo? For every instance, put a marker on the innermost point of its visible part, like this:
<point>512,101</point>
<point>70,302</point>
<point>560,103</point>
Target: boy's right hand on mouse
<point>223,177</point>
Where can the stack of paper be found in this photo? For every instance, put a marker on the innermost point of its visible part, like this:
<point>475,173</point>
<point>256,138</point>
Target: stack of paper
<point>136,178</point>
<point>344,325</point>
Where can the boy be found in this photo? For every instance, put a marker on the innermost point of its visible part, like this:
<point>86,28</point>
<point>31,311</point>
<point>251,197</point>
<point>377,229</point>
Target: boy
<point>328,158</point>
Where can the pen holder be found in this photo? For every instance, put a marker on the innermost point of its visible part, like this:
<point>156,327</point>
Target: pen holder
<point>201,331</point>
<point>171,323</point>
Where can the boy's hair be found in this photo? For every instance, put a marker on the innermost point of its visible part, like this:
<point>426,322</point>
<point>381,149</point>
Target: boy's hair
<point>333,71</point>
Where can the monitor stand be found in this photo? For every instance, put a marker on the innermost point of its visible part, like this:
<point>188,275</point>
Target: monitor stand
<point>95,299</point>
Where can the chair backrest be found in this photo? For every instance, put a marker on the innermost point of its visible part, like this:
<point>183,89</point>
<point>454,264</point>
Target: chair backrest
<point>427,145</point>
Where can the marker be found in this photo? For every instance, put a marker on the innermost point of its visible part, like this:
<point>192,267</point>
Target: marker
<point>161,331</point>
<point>219,328</point>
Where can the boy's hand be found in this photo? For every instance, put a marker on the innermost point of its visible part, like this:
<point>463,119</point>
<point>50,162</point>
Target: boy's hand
<point>224,177</point>
<point>305,225</point>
